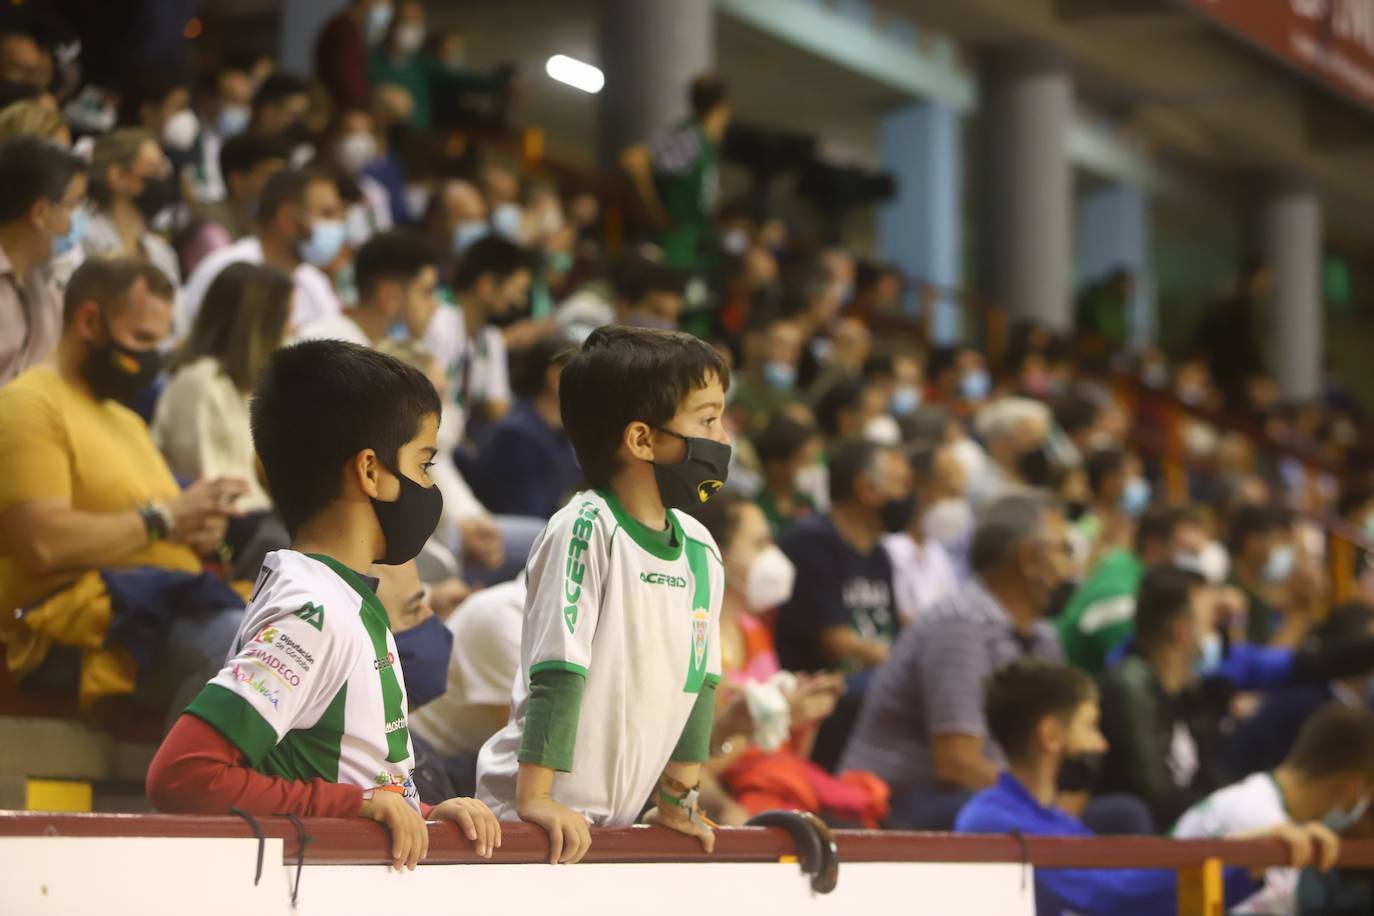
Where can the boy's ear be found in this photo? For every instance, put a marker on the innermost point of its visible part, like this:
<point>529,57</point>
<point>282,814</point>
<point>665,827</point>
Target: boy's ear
<point>364,472</point>
<point>638,440</point>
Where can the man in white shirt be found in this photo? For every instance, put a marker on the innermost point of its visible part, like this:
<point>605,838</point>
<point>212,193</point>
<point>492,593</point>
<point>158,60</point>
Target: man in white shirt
<point>397,277</point>
<point>299,230</point>
<point>922,570</point>
<point>492,280</point>
<point>1325,782</point>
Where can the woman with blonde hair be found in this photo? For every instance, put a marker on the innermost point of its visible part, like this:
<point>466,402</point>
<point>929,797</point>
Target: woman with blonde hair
<point>34,118</point>
<point>131,182</point>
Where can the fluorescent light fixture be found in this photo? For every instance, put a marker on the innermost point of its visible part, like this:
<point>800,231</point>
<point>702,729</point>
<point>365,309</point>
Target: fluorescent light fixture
<point>575,73</point>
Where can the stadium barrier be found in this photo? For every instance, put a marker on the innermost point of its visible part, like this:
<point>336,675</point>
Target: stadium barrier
<point>152,864</point>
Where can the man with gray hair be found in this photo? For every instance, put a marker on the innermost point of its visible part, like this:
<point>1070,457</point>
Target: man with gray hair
<point>1015,433</point>
<point>922,727</point>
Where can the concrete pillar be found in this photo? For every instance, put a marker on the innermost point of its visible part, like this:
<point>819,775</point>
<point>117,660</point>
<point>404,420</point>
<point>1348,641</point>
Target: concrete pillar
<point>922,229</point>
<point>1024,184</point>
<point>650,51</point>
<point>1112,230</point>
<point>300,24</point>
<point>1292,227</point>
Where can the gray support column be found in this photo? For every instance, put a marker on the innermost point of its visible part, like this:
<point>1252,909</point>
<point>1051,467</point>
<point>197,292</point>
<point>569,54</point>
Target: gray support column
<point>1292,226</point>
<point>650,51</point>
<point>1024,188</point>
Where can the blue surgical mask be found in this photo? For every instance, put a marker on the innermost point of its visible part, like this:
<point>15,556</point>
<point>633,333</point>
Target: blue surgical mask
<point>1210,654</point>
<point>779,376</point>
<point>507,220</point>
<point>1279,566</point>
<point>906,399</point>
<point>1342,819</point>
<point>975,385</point>
<point>326,240</point>
<point>425,651</point>
<point>378,21</point>
<point>464,234</point>
<point>65,243</point>
<point>1135,498</point>
<point>232,120</point>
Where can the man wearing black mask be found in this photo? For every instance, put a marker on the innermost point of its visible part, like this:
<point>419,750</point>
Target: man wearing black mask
<point>1017,434</point>
<point>131,183</point>
<point>86,491</point>
<point>842,614</point>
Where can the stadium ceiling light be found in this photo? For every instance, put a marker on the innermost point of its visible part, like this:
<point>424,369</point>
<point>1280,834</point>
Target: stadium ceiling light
<point>575,73</point>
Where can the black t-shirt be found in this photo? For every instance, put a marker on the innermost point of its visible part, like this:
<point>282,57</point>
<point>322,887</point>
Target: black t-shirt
<point>835,586</point>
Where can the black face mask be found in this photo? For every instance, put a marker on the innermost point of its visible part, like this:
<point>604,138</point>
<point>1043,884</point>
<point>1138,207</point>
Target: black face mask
<point>1074,511</point>
<point>409,520</point>
<point>1079,773</point>
<point>896,513</point>
<point>1059,599</point>
<point>1036,468</point>
<point>117,373</point>
<point>692,482</point>
<point>157,195</point>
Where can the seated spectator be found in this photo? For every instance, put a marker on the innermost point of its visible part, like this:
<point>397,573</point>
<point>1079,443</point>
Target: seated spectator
<point>767,381</point>
<point>455,218</point>
<point>788,448</point>
<point>225,108</point>
<point>1260,742</point>
<point>1100,616</point>
<point>1277,580</point>
<point>1046,717</point>
<point>482,669</point>
<point>96,540</point>
<point>922,727</point>
<point>769,717</point>
<point>397,280</point>
<point>1015,433</point>
<point>958,379</point>
<point>352,145</point>
<point>130,184</point>
<point>898,374</point>
<point>492,281</point>
<point>42,188</point>
<point>32,118</point>
<point>280,107</point>
<point>246,161</point>
<point>1323,785</point>
<point>525,464</point>
<point>22,58</point>
<point>299,231</point>
<point>922,571</point>
<point>845,409</point>
<point>644,293</point>
<point>1120,494</point>
<point>201,424</point>
<point>157,99</point>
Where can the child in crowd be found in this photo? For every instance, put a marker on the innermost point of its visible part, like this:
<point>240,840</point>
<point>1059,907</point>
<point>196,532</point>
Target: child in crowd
<point>308,714</point>
<point>620,658</point>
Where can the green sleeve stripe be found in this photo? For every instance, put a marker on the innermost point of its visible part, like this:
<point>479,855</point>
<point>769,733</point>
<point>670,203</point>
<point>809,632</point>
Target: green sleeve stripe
<point>236,719</point>
<point>711,551</point>
<point>551,715</point>
<point>556,665</point>
<point>695,744</point>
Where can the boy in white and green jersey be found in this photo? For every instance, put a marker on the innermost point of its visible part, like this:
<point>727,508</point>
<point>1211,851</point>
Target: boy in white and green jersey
<point>308,714</point>
<point>620,655</point>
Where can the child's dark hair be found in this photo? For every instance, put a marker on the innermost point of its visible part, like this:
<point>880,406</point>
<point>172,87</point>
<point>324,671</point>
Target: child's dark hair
<point>319,403</point>
<point>1018,697</point>
<point>623,374</point>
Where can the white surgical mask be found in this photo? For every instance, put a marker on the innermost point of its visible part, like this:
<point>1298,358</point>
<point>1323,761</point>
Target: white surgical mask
<point>1341,820</point>
<point>409,37</point>
<point>769,581</point>
<point>883,429</point>
<point>1279,564</point>
<point>181,130</point>
<point>378,21</point>
<point>508,220</point>
<point>356,151</point>
<point>232,120</point>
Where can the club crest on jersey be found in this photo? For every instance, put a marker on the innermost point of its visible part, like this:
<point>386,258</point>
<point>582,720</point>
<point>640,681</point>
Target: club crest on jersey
<point>701,628</point>
<point>708,488</point>
<point>312,614</point>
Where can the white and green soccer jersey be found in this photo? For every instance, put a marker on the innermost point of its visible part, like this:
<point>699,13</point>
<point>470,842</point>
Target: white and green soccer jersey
<point>639,618</point>
<point>313,687</point>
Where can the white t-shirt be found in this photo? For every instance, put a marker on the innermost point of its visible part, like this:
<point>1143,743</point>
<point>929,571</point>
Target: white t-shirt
<point>315,297</point>
<point>312,686</point>
<point>335,327</point>
<point>481,673</point>
<point>921,573</point>
<point>1253,804</point>
<point>639,620</point>
<point>475,363</point>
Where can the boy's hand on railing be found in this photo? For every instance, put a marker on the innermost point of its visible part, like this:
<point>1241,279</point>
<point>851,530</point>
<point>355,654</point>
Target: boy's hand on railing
<point>695,824</point>
<point>474,819</point>
<point>409,835</point>
<point>569,834</point>
<point>1310,843</point>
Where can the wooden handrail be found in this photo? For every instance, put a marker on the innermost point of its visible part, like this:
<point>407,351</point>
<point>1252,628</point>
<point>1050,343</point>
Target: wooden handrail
<point>355,841</point>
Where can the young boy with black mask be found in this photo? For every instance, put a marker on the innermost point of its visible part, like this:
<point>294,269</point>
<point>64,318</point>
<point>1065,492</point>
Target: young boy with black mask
<point>620,658</point>
<point>308,714</point>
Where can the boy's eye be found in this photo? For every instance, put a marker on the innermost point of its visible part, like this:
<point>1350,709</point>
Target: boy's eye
<point>426,466</point>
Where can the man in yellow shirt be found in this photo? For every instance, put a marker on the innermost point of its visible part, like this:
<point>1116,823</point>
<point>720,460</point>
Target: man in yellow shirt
<point>85,491</point>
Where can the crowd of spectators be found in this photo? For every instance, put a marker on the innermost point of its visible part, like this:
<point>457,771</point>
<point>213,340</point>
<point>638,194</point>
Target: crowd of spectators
<point>944,563</point>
